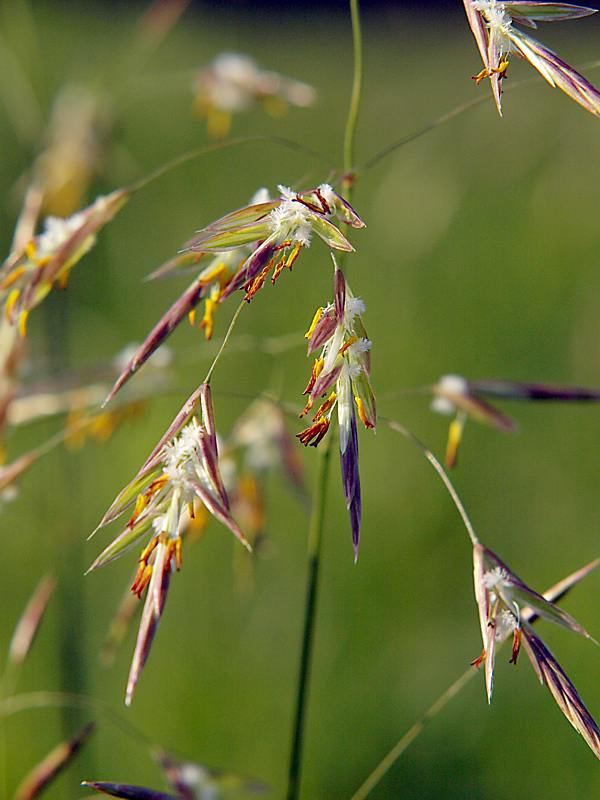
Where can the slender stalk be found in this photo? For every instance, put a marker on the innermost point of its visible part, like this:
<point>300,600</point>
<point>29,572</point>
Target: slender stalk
<point>317,520</point>
<point>43,700</point>
<point>216,359</point>
<point>198,152</point>
<point>396,426</point>
<point>69,548</point>
<point>349,135</point>
<point>554,594</point>
<point>411,734</point>
<point>384,152</point>
<point>315,538</point>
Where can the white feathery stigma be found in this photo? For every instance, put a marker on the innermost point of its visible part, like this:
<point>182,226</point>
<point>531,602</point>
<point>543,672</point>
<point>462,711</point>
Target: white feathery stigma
<point>496,579</point>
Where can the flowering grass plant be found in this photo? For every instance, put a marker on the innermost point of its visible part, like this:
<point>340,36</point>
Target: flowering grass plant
<point>199,473</point>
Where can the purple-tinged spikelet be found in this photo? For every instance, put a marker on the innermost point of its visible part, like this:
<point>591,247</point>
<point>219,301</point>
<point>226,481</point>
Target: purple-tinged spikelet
<point>492,25</point>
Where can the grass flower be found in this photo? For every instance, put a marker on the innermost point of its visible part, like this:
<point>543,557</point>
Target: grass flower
<point>247,245</point>
<point>44,773</point>
<point>341,371</point>
<point>258,444</point>
<point>28,625</point>
<point>77,136</point>
<point>262,434</point>
<point>129,791</point>
<point>182,469</point>
<point>199,782</point>
<point>234,82</point>
<point>27,276</point>
<point>188,780</point>
<point>277,230</point>
<point>492,25</point>
<point>453,394</point>
<point>507,606</point>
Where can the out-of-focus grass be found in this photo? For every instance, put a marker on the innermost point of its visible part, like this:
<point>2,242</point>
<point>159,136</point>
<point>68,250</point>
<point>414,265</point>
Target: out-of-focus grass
<point>480,256</point>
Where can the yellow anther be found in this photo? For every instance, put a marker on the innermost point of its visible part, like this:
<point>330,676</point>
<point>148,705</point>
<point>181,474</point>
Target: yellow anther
<point>207,324</point>
<point>218,123</point>
<point>360,406</point>
<point>12,277</point>
<point>23,323</point>
<point>500,70</point>
<point>192,317</point>
<point>75,430</point>
<point>289,263</point>
<point>454,438</point>
<point>313,324</point>
<point>103,426</point>
<point>198,522</point>
<point>63,279</point>
<point>485,73</point>
<point>140,504</point>
<point>11,301</point>
<point>31,250</point>
<point>325,407</point>
<point>148,550</point>
<point>178,553</point>
<point>156,485</point>
<point>251,505</point>
<point>212,273</point>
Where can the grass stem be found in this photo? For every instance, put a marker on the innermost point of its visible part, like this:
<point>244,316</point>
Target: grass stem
<point>317,521</point>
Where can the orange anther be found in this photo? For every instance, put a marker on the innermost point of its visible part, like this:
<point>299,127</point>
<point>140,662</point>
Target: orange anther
<point>314,433</point>
<point>347,344</point>
<point>516,646</point>
<point>316,371</point>
<point>258,282</point>
<point>324,408</point>
<point>12,277</point>
<point>142,579</point>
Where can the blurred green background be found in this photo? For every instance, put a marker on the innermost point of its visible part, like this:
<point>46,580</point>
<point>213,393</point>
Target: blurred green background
<point>480,256</point>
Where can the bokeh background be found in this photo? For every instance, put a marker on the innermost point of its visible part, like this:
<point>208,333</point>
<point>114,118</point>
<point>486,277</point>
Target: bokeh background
<point>480,256</point>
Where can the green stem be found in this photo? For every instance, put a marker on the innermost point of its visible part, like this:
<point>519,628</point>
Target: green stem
<point>315,539</point>
<point>43,700</point>
<point>396,426</point>
<point>411,734</point>
<point>198,152</point>
<point>317,521</point>
<point>446,117</point>
<point>352,120</point>
<point>216,359</point>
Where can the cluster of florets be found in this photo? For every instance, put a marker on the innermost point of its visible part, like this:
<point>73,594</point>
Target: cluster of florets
<point>492,26</point>
<point>29,274</point>
<point>234,82</point>
<point>342,369</point>
<point>261,239</point>
<point>181,474</point>
<point>508,606</point>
